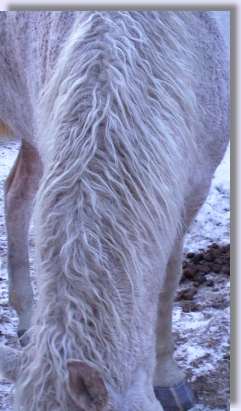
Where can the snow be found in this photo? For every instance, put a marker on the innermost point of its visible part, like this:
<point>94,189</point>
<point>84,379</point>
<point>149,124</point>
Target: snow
<point>202,338</point>
<point>213,221</point>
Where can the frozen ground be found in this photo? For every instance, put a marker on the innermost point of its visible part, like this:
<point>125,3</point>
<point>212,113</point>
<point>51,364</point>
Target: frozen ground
<point>201,329</point>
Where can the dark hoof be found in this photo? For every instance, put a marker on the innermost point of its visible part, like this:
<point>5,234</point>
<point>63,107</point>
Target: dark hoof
<point>23,337</point>
<point>177,398</point>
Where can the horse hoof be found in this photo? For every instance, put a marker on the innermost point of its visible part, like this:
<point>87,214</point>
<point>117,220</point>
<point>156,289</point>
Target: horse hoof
<point>23,337</point>
<point>179,397</point>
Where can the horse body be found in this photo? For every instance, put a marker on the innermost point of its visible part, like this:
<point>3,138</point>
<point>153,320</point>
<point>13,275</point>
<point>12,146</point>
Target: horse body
<point>128,114</point>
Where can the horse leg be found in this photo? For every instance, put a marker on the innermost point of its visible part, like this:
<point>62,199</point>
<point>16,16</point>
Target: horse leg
<point>20,189</point>
<point>174,393</point>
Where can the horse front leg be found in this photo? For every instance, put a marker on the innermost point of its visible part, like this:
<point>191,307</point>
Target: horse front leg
<point>20,190</point>
<point>170,385</point>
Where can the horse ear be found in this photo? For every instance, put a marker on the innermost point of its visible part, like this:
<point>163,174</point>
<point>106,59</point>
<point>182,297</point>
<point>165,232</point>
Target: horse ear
<point>86,386</point>
<point>9,363</point>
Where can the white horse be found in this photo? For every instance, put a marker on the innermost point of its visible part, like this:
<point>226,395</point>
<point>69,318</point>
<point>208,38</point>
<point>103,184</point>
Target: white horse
<point>126,115</point>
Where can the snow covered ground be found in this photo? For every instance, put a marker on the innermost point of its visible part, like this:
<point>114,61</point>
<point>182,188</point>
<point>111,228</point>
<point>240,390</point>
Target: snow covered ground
<point>201,331</point>
<point>202,334</point>
<point>212,223</point>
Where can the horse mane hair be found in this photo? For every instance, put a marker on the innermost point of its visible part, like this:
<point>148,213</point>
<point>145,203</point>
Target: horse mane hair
<point>116,120</point>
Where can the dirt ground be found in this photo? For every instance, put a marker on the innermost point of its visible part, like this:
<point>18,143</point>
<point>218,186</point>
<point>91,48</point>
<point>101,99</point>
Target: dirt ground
<point>201,312</point>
